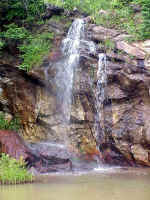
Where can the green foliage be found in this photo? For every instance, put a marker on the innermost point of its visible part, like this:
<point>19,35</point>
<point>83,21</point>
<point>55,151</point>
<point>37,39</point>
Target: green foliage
<point>13,171</point>
<point>14,124</point>
<point>2,44</point>
<point>12,9</point>
<point>88,6</point>
<point>18,14</point>
<point>120,15</point>
<point>109,44</point>
<point>15,32</point>
<point>21,9</point>
<point>55,2</point>
<point>69,4</point>
<point>145,26</point>
<point>34,49</point>
<point>120,3</point>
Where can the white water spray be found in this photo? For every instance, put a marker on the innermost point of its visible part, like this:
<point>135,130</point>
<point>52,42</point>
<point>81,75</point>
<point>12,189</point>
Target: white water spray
<point>65,75</point>
<point>73,46</point>
<point>100,96</point>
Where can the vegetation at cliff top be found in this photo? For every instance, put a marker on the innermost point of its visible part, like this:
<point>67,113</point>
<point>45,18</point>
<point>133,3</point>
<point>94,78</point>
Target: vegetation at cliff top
<point>119,14</point>
<point>18,17</point>
<point>13,171</point>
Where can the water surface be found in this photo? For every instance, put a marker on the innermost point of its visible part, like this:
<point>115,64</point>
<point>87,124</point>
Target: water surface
<point>87,186</point>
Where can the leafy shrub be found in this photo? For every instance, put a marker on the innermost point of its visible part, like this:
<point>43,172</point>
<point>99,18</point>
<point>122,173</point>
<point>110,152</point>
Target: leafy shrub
<point>15,32</point>
<point>12,36</point>
<point>145,26</point>
<point>13,171</point>
<point>14,124</point>
<point>33,50</point>
<point>20,9</point>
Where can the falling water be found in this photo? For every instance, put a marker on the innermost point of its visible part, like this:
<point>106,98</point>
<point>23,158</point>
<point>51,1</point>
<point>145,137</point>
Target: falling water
<point>73,46</point>
<point>65,76</point>
<point>100,96</point>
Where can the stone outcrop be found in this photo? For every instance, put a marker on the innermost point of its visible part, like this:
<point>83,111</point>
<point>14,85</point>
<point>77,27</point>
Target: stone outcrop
<point>52,10</point>
<point>102,34</point>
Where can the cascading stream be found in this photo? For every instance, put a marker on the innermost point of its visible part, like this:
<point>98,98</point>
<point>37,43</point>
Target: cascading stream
<point>73,46</point>
<point>100,96</point>
<point>65,76</point>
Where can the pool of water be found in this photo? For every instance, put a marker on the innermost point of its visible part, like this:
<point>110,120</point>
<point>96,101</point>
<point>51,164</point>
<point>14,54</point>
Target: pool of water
<point>97,185</point>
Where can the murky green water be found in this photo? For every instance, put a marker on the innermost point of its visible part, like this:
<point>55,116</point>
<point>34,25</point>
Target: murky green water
<point>91,186</point>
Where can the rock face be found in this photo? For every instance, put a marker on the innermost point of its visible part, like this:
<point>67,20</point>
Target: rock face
<point>126,140</point>
<point>127,111</point>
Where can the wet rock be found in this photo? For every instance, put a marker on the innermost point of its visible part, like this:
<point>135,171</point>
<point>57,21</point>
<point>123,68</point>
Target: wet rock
<point>111,155</point>
<point>126,110</point>
<point>140,154</point>
<point>11,143</point>
<point>127,119</point>
<point>32,97</point>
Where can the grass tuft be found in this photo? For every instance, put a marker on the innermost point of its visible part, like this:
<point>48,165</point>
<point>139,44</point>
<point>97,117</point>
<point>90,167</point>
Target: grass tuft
<point>13,171</point>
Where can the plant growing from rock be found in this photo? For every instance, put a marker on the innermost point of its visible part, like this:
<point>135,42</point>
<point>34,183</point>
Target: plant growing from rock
<point>13,171</point>
<point>34,49</point>
<point>13,124</point>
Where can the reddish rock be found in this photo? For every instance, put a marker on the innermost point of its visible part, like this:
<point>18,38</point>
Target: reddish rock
<point>11,143</point>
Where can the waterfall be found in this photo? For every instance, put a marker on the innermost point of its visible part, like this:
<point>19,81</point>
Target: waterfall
<point>65,75</point>
<point>73,46</point>
<point>100,96</point>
